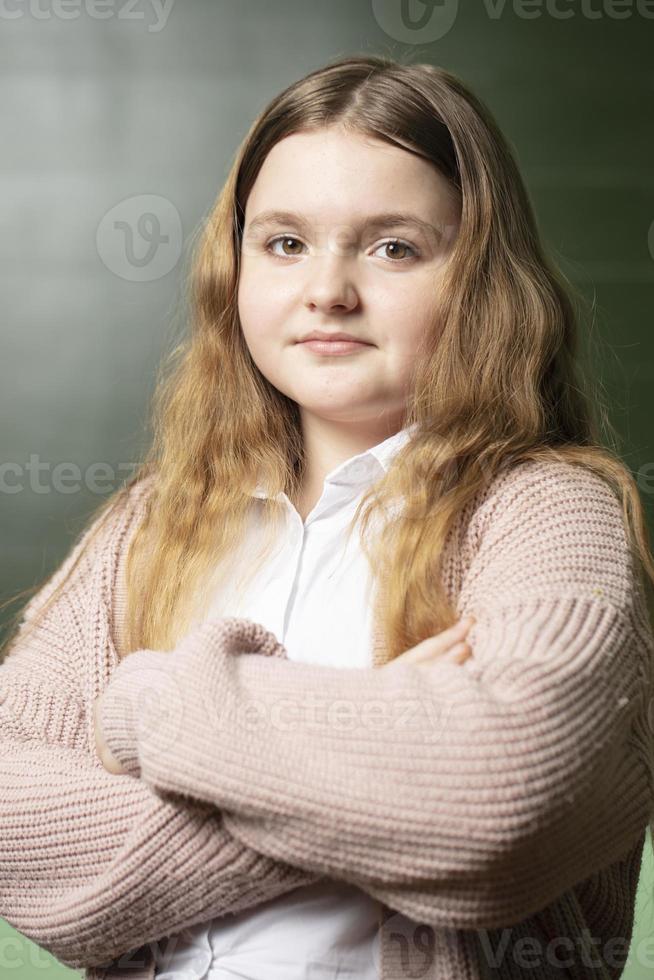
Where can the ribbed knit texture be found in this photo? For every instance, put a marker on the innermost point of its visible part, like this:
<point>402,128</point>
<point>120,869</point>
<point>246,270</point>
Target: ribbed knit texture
<point>498,808</point>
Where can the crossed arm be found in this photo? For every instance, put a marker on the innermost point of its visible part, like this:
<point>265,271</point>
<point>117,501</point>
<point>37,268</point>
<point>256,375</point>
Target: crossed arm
<point>93,865</point>
<point>469,796</point>
<point>460,801</point>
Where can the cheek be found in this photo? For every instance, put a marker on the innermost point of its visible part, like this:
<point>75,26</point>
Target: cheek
<point>248,300</point>
<point>254,311</point>
<point>257,337</point>
<point>263,300</point>
<point>260,326</point>
<point>404,316</point>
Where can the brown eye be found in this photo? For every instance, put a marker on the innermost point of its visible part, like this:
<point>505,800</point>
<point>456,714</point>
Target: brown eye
<point>394,248</point>
<point>397,250</point>
<point>285,240</point>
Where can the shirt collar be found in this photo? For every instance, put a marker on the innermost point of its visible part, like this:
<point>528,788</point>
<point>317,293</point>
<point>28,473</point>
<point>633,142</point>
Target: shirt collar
<point>365,466</point>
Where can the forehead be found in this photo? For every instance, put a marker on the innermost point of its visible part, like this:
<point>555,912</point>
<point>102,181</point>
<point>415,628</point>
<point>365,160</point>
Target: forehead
<point>331,175</point>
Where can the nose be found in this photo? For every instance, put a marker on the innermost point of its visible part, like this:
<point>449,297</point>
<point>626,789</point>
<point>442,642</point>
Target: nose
<point>329,287</point>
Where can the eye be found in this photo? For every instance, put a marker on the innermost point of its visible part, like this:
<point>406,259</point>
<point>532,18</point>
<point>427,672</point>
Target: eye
<point>397,243</point>
<point>394,243</point>
<point>284,239</point>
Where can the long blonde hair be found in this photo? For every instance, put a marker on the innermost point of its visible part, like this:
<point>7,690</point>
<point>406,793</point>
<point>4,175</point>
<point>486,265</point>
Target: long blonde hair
<point>507,317</point>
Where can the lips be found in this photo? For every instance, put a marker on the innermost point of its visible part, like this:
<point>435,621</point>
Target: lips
<point>328,338</point>
<point>341,340</point>
<point>334,348</point>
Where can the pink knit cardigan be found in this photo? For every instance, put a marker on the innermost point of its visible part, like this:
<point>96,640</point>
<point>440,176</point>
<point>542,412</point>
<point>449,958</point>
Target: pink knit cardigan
<point>497,808</point>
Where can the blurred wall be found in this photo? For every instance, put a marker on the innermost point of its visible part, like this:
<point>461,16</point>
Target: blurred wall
<point>120,122</point>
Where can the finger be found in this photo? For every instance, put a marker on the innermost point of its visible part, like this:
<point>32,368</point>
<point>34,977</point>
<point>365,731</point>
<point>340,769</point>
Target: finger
<point>453,634</point>
<point>439,644</point>
<point>459,653</point>
<point>429,649</point>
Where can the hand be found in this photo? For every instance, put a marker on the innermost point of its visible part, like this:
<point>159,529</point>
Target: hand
<point>449,642</point>
<point>110,763</point>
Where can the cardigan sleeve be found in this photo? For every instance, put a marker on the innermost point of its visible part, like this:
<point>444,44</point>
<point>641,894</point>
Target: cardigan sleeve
<point>94,864</point>
<point>466,796</point>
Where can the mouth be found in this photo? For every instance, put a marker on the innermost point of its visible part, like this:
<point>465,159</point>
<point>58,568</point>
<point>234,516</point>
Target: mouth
<point>335,347</point>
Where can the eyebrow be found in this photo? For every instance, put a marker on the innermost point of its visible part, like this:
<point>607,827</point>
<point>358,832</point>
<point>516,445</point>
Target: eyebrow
<point>384,220</point>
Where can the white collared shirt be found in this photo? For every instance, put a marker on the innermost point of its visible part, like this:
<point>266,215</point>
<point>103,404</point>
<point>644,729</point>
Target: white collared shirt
<point>314,594</point>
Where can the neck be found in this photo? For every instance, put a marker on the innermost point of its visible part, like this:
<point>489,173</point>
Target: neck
<point>327,444</point>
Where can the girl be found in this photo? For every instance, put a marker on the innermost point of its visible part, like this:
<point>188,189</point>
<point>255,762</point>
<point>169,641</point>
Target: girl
<point>378,342</point>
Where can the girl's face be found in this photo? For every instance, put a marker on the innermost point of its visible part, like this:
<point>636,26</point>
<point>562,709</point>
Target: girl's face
<point>360,248</point>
